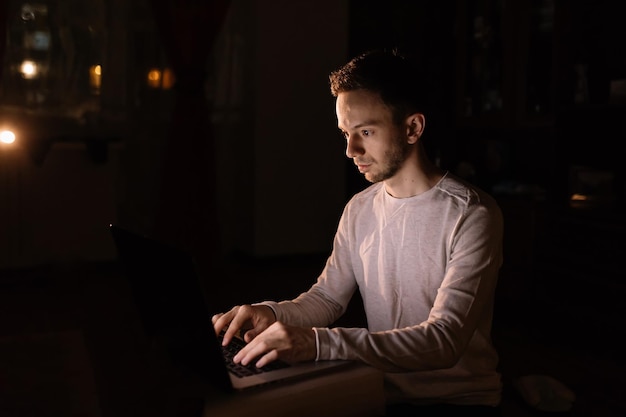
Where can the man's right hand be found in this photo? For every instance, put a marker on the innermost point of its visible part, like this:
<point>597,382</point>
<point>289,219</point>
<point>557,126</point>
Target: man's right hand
<point>247,319</point>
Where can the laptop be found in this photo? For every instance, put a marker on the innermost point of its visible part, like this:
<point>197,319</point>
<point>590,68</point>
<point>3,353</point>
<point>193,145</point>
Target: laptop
<point>174,312</point>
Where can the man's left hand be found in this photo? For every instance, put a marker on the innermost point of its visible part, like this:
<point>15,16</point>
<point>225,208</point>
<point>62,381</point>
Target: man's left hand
<point>279,341</point>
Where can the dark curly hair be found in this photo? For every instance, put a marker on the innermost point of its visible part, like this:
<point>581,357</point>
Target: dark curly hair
<point>393,76</point>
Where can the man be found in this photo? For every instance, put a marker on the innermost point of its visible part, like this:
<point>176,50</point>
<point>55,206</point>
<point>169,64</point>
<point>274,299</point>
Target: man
<point>422,247</point>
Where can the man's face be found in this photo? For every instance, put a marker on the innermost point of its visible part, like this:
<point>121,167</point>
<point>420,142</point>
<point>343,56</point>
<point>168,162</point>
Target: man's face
<point>377,146</point>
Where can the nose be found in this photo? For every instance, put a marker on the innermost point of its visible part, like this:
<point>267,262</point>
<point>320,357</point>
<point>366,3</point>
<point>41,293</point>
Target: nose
<point>353,147</point>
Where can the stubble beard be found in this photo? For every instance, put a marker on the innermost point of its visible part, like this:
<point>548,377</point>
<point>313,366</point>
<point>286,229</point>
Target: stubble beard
<point>394,158</point>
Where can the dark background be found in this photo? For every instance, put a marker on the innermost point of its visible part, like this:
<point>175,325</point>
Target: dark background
<point>250,188</point>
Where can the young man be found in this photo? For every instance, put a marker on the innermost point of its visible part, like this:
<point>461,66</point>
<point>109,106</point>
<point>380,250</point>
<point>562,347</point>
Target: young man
<point>422,247</point>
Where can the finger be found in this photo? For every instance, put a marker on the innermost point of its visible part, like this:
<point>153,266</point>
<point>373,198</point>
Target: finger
<point>221,321</point>
<point>215,319</point>
<point>242,315</point>
<point>268,358</point>
<point>250,352</point>
<point>251,334</point>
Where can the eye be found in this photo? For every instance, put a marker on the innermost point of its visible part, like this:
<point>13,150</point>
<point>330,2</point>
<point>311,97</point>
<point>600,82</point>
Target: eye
<point>344,134</point>
<point>366,132</point>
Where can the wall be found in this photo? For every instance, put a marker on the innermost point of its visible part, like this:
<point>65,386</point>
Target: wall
<point>56,212</point>
<point>285,197</point>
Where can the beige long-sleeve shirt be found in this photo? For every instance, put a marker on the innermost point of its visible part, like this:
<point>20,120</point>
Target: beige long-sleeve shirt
<point>426,268</point>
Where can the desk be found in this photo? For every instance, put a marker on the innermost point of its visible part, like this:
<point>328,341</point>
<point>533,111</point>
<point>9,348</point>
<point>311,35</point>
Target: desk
<point>354,392</point>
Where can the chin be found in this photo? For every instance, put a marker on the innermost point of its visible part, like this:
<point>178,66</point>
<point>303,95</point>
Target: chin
<point>373,178</point>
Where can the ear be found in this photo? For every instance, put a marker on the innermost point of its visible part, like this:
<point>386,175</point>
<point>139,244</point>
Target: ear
<point>415,124</point>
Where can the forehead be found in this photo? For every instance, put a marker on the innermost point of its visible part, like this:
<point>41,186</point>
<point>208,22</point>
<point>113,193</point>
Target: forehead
<point>359,107</point>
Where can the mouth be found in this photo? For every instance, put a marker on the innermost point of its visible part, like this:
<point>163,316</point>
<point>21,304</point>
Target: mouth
<point>362,167</point>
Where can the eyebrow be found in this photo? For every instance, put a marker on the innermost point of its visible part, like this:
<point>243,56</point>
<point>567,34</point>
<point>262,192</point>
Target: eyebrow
<point>372,122</point>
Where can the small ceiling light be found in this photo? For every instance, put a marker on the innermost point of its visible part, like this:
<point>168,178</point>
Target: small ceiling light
<point>154,78</point>
<point>29,70</point>
<point>168,79</point>
<point>160,79</point>
<point>7,136</point>
<point>95,77</point>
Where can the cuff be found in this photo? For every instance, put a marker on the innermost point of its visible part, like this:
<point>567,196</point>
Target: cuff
<point>317,344</point>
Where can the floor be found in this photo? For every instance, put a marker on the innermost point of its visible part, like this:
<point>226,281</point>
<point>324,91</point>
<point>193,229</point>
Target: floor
<point>68,336</point>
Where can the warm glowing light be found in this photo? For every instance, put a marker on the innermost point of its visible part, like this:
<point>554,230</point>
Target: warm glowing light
<point>160,79</point>
<point>154,78</point>
<point>578,197</point>
<point>7,136</point>
<point>95,77</point>
<point>29,69</point>
<point>168,79</point>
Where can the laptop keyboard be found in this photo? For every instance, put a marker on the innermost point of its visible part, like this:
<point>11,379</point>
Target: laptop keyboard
<point>240,370</point>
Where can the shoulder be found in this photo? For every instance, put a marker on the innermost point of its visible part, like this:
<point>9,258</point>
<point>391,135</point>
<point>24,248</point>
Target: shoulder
<point>464,193</point>
<point>471,202</point>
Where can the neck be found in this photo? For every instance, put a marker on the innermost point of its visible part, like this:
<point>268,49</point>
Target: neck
<point>417,175</point>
